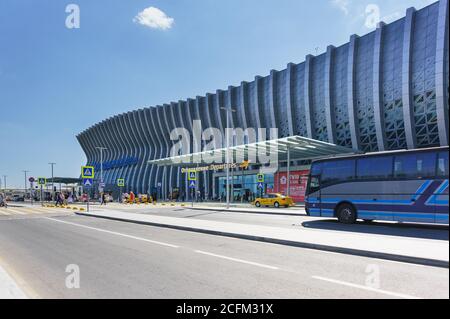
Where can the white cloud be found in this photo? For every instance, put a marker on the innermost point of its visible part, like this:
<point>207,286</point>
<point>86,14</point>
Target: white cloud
<point>342,5</point>
<point>393,16</point>
<point>154,18</point>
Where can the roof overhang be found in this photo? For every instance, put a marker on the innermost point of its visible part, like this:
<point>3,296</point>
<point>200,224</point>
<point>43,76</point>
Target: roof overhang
<point>294,147</point>
<point>64,180</point>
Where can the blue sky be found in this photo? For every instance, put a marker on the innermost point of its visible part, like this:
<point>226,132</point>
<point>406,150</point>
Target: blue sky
<point>55,82</point>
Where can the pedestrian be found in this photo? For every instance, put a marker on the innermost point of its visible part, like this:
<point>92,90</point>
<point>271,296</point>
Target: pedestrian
<point>62,198</point>
<point>3,201</point>
<point>57,199</point>
<point>103,202</point>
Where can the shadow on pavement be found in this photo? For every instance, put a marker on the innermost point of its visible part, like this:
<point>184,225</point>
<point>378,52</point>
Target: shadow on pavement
<point>437,232</point>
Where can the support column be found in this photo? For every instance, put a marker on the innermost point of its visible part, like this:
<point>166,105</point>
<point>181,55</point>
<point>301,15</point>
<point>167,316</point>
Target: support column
<point>408,108</point>
<point>256,111</point>
<point>329,107</point>
<point>377,87</point>
<point>441,73</point>
<point>289,97</point>
<point>243,104</point>
<point>308,98</point>
<point>288,193</point>
<point>351,92</point>
<point>272,106</point>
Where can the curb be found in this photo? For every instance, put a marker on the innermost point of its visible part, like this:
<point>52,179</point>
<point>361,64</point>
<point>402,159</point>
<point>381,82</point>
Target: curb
<point>235,210</point>
<point>336,249</point>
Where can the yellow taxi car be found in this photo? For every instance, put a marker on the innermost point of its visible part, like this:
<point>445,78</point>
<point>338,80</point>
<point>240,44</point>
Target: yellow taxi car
<point>275,200</point>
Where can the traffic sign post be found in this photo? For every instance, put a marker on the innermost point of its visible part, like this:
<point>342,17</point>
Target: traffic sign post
<point>121,184</point>
<point>260,180</point>
<point>42,181</point>
<point>192,179</point>
<point>192,175</point>
<point>31,193</point>
<point>31,180</point>
<point>87,183</point>
<point>87,172</point>
<point>192,186</point>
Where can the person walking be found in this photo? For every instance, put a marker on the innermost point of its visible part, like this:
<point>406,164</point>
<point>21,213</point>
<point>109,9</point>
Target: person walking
<point>132,197</point>
<point>57,199</point>
<point>62,199</point>
<point>3,202</point>
<point>103,202</point>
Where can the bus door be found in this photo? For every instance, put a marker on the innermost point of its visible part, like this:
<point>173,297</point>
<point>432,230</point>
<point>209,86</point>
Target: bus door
<point>440,200</point>
<point>441,195</point>
<point>315,196</point>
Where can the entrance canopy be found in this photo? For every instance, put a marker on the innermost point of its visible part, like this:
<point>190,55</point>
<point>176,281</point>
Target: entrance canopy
<point>64,180</point>
<point>286,149</point>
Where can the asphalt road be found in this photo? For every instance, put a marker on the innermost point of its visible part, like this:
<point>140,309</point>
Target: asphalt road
<point>124,260</point>
<point>436,232</point>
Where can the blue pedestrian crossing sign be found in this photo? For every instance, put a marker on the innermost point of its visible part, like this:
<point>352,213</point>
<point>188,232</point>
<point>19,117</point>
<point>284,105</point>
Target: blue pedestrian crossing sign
<point>42,181</point>
<point>87,172</point>
<point>88,182</point>
<point>120,182</point>
<point>192,184</point>
<point>260,185</point>
<point>192,176</point>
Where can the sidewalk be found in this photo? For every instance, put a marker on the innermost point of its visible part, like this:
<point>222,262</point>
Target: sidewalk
<point>412,250</point>
<point>298,210</point>
<point>221,207</point>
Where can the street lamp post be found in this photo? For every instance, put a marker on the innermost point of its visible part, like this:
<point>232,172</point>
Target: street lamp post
<point>229,111</point>
<point>4,182</point>
<point>53,182</point>
<point>25,185</point>
<point>101,161</point>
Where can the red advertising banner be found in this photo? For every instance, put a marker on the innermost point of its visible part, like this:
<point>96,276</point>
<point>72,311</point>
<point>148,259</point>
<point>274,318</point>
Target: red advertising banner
<point>299,180</point>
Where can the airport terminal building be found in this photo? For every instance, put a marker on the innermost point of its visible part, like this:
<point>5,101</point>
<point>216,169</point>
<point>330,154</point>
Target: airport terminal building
<point>386,90</point>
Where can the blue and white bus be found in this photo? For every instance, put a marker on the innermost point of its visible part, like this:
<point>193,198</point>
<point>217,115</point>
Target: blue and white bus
<point>407,186</point>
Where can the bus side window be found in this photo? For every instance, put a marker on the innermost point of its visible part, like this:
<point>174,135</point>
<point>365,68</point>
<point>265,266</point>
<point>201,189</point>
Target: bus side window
<point>379,167</point>
<point>426,165</point>
<point>340,171</point>
<point>414,165</point>
<point>442,169</point>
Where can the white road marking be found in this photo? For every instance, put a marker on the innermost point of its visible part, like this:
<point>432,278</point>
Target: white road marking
<point>348,284</point>
<point>237,260</point>
<point>371,258</point>
<point>113,233</point>
<point>4,212</point>
<point>9,289</point>
<point>15,211</point>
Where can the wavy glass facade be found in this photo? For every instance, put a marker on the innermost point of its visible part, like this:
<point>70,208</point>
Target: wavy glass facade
<point>386,90</point>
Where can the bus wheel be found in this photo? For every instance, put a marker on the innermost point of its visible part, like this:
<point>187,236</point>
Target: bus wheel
<point>258,204</point>
<point>346,214</point>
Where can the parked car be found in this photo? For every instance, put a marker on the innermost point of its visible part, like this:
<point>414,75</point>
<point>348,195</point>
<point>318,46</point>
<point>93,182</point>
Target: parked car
<point>18,198</point>
<point>274,200</point>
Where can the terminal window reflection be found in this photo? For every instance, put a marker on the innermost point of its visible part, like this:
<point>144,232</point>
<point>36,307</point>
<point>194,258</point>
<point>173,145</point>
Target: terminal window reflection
<point>245,188</point>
